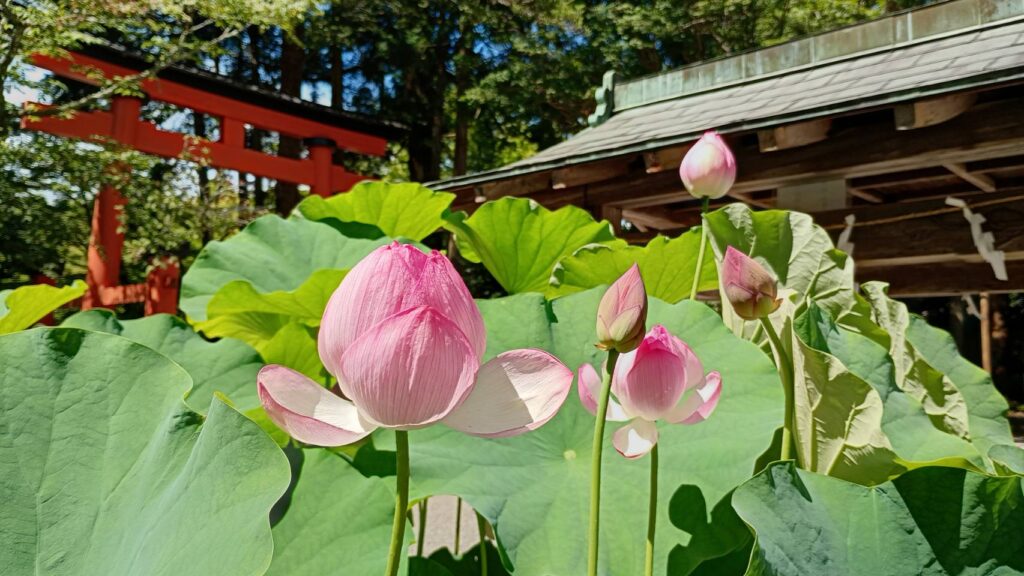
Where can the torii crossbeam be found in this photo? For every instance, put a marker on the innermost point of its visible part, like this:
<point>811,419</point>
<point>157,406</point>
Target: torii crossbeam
<point>237,107</point>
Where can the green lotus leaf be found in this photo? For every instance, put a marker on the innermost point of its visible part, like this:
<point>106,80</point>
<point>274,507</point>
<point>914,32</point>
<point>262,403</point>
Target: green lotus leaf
<point>407,210</point>
<point>105,470</point>
<point>226,366</point>
<point>22,307</point>
<point>666,265</point>
<point>271,254</point>
<point>337,521</point>
<point>519,241</point>
<point>928,521</point>
<point>533,488</point>
<point>796,250</point>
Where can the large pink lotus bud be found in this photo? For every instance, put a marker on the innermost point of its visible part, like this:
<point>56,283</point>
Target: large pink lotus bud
<point>750,289</point>
<point>709,169</point>
<point>661,380</point>
<point>404,339</point>
<point>622,314</point>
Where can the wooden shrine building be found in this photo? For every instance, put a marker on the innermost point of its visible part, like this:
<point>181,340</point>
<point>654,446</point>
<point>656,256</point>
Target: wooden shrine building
<point>884,121</point>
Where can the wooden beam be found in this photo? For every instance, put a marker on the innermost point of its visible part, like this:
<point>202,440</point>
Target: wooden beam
<point>865,195</point>
<point>581,174</point>
<point>948,279</point>
<point>983,182</point>
<point>932,111</point>
<point>793,135</point>
<point>929,231</point>
<point>614,215</point>
<point>660,218</point>
<point>665,158</point>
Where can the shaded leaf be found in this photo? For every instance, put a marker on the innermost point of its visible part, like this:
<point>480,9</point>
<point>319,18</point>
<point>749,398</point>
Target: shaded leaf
<point>105,471</point>
<point>226,366</point>
<point>928,521</point>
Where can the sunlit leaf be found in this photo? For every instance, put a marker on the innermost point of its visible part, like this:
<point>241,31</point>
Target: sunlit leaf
<point>24,306</point>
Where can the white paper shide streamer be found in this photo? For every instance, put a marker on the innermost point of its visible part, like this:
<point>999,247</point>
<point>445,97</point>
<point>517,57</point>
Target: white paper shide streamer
<point>983,241</point>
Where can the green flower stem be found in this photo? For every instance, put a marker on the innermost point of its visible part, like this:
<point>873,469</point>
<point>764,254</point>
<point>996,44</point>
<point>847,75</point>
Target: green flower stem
<point>421,532</point>
<point>397,549</point>
<point>785,365</point>
<point>700,253</point>
<point>595,462</point>
<point>481,525</point>
<point>652,514</point>
<point>458,524</point>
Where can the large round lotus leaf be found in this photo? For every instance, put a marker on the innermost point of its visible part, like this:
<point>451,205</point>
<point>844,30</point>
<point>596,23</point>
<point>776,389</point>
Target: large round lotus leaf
<point>337,522</point>
<point>931,521</point>
<point>667,266</point>
<point>519,241</point>
<point>104,470</point>
<point>24,306</point>
<point>534,488</point>
<point>271,254</point>
<point>227,366</point>
<point>406,210</point>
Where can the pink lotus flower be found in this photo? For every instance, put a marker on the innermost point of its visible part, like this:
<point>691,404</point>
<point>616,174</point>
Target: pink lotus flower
<point>709,169</point>
<point>750,289</point>
<point>622,314</point>
<point>661,380</point>
<point>404,339</point>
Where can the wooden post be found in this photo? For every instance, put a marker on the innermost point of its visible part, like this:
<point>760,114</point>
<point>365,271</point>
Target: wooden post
<point>106,240</point>
<point>321,152</point>
<point>162,286</point>
<point>986,332</point>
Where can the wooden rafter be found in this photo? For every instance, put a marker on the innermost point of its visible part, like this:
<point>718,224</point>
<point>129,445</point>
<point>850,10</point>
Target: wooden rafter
<point>793,135</point>
<point>931,111</point>
<point>981,181</point>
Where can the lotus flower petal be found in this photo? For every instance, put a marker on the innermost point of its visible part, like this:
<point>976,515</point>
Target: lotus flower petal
<point>635,438</point>
<point>653,377</point>
<point>307,411</point>
<point>709,168</point>
<point>622,314</point>
<point>390,280</point>
<point>517,391</point>
<point>589,388</point>
<point>697,404</point>
<point>410,370</point>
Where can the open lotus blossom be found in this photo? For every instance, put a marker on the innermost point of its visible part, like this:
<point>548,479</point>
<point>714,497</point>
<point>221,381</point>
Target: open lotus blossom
<point>661,380</point>
<point>751,290</point>
<point>622,314</point>
<point>709,169</point>
<point>404,339</point>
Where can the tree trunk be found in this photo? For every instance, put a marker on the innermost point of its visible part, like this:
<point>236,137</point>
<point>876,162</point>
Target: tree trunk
<point>337,78</point>
<point>293,61</point>
<point>462,80</point>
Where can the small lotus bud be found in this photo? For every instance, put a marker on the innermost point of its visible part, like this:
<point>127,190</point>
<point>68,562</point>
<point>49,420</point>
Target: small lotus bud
<point>749,287</point>
<point>709,169</point>
<point>622,315</point>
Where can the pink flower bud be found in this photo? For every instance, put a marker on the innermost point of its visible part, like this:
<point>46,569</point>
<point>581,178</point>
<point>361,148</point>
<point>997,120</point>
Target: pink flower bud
<point>749,287</point>
<point>622,314</point>
<point>709,169</point>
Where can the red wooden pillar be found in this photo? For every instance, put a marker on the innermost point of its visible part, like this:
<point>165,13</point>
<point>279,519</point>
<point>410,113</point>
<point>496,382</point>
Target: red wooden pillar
<point>321,152</point>
<point>162,286</point>
<point>107,240</point>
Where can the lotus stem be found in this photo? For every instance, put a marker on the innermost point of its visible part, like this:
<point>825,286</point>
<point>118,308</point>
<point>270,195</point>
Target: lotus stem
<point>785,366</point>
<point>700,252</point>
<point>595,463</point>
<point>481,526</point>
<point>421,532</point>
<point>401,503</point>
<point>652,514</point>
<point>458,524</point>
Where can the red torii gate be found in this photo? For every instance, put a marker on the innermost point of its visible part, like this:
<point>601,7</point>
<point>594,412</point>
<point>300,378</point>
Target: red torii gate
<point>322,130</point>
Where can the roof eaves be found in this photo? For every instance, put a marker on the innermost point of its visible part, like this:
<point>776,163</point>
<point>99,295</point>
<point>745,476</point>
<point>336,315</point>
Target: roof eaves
<point>988,80</point>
